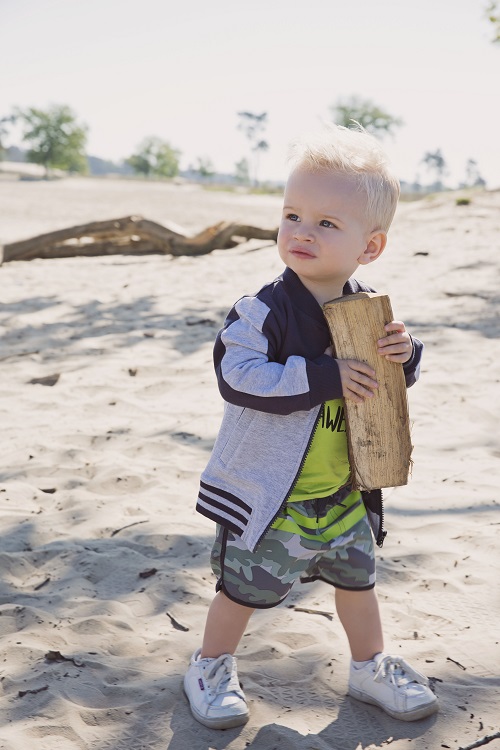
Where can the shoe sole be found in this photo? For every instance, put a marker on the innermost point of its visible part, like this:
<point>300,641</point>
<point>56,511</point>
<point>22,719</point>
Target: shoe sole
<point>418,713</point>
<point>218,723</point>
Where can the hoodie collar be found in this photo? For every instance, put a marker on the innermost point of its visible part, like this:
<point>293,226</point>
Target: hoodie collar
<point>303,298</point>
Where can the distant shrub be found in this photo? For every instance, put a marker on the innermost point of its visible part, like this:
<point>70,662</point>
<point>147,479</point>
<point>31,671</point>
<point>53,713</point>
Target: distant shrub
<point>462,201</point>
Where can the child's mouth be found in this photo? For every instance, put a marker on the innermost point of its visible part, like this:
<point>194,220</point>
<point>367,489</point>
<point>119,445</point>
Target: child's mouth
<point>300,252</point>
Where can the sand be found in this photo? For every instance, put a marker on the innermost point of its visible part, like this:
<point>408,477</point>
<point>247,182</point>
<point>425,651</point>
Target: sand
<point>105,579</point>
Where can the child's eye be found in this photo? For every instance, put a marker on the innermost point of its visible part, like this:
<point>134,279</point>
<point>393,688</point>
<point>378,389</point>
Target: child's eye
<point>292,217</point>
<point>327,223</point>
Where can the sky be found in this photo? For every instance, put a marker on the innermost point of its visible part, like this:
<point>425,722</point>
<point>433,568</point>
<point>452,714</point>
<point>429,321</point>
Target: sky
<point>182,70</point>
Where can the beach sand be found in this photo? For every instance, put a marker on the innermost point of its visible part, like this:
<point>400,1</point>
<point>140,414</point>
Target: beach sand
<point>105,578</point>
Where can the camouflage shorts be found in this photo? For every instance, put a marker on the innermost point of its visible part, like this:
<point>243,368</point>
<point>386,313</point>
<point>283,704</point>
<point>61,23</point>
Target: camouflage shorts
<point>264,578</point>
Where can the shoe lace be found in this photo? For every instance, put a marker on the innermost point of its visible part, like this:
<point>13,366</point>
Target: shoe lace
<point>222,676</point>
<point>398,671</point>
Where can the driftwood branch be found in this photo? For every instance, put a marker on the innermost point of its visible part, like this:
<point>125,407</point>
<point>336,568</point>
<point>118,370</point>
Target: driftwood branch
<point>131,235</point>
<point>483,741</point>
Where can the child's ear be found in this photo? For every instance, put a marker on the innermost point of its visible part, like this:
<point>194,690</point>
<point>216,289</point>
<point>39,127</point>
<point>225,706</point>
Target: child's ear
<point>374,248</point>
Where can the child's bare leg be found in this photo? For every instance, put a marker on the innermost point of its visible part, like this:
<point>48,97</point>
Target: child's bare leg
<point>359,614</point>
<point>400,691</point>
<point>226,623</point>
<point>211,684</point>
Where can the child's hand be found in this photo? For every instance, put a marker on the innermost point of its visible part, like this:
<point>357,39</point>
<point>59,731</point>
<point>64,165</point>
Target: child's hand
<point>357,380</point>
<point>398,346</point>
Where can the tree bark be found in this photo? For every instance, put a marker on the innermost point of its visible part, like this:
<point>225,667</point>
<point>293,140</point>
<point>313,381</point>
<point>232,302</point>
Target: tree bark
<point>378,430</point>
<point>131,235</point>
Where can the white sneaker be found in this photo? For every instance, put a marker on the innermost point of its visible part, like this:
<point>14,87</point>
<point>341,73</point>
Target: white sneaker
<point>214,693</point>
<point>393,685</point>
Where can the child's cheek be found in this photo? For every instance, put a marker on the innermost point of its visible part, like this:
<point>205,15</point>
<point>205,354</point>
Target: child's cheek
<point>283,236</point>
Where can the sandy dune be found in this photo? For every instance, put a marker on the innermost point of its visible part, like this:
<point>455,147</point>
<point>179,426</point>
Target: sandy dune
<point>105,579</point>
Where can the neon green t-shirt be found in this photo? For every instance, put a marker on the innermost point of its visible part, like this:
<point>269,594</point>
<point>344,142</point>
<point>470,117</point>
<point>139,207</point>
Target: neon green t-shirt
<point>326,467</point>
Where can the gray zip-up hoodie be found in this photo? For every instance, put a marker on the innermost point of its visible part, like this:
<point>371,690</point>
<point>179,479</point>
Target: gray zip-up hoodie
<point>274,377</point>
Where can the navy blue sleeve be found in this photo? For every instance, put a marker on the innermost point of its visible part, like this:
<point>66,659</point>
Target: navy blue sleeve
<point>250,373</point>
<point>411,368</point>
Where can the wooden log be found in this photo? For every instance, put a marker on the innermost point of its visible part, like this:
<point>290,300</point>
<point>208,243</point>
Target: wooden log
<point>40,246</point>
<point>119,232</point>
<point>378,430</point>
<point>220,237</point>
<point>118,246</point>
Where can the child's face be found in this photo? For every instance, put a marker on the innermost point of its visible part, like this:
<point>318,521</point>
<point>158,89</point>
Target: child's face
<point>323,235</point>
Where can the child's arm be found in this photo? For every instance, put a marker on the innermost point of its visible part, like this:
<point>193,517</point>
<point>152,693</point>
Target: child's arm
<point>249,373</point>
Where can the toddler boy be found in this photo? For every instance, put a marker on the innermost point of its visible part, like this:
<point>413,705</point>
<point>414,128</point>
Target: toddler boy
<point>278,481</point>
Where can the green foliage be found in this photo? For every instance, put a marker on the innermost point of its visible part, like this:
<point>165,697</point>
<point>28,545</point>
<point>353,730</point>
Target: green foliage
<point>435,160</point>
<point>57,141</point>
<point>473,176</point>
<point>462,201</point>
<point>435,163</point>
<point>4,129</point>
<point>370,116</point>
<point>493,15</point>
<point>253,126</point>
<point>155,158</point>
<point>205,167</point>
<point>242,172</point>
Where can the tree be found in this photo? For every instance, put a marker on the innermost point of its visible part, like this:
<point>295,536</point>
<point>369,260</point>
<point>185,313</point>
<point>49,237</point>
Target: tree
<point>368,114</point>
<point>242,172</point>
<point>493,16</point>
<point>57,140</point>
<point>4,129</point>
<point>155,157</point>
<point>205,167</point>
<point>253,126</point>
<point>473,177</point>
<point>435,162</point>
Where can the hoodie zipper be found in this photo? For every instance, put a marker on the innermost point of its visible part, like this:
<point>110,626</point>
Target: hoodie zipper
<point>297,475</point>
<point>382,532</point>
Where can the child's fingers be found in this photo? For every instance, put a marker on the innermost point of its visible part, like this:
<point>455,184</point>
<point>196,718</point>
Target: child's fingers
<point>360,367</point>
<point>355,392</point>
<point>357,380</point>
<point>397,357</point>
<point>396,347</point>
<point>362,385</point>
<point>358,392</point>
<point>395,325</point>
<point>393,338</point>
<point>363,381</point>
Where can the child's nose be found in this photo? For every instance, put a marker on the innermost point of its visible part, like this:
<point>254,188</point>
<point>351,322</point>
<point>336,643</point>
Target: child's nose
<point>303,233</point>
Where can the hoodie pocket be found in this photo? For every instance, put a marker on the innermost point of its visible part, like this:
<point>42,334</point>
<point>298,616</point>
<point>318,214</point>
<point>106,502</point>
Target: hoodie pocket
<point>237,436</point>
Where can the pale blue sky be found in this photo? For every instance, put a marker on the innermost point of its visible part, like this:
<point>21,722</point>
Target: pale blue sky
<point>182,69</point>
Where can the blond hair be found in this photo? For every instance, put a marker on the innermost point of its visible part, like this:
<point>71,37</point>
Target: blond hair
<point>357,154</point>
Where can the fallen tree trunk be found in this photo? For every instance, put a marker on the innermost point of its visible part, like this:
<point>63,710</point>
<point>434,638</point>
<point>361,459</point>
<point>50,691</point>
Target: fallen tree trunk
<point>131,235</point>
